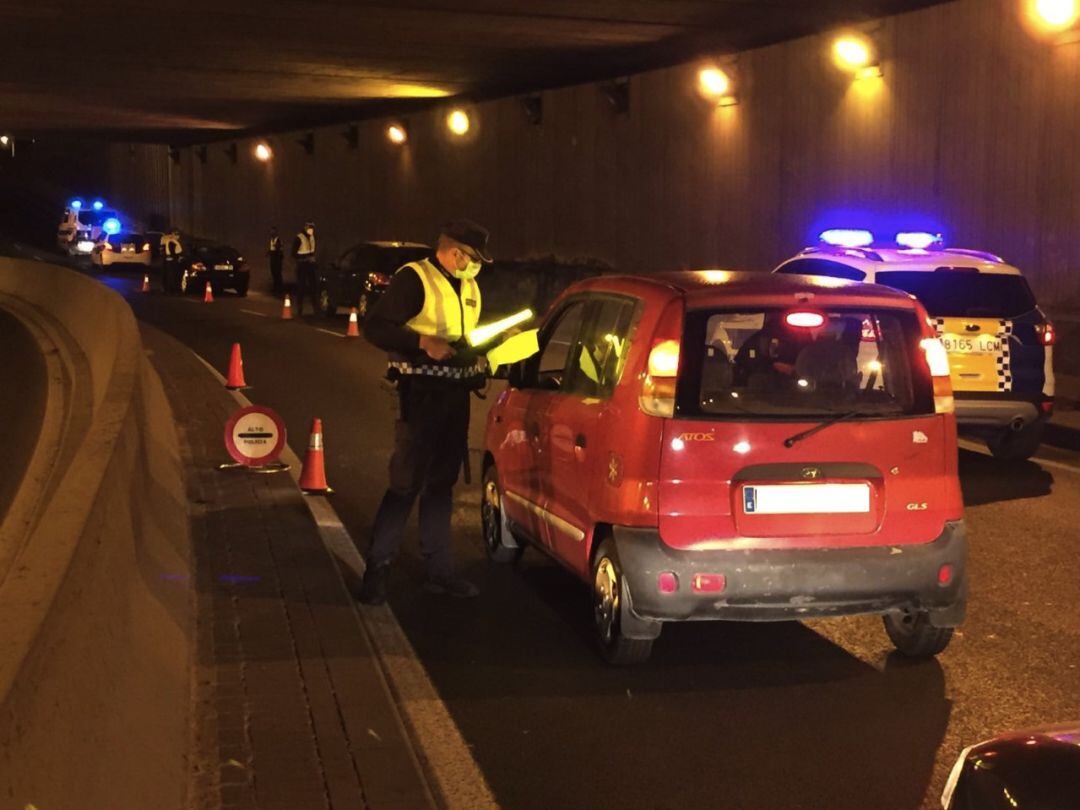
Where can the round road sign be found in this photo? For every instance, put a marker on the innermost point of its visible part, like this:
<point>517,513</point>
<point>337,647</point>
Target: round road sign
<point>255,436</point>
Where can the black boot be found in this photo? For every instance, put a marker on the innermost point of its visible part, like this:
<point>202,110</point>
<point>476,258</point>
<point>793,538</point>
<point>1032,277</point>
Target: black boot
<point>373,589</point>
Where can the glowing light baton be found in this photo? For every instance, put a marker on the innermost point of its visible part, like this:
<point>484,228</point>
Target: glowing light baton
<point>483,334</point>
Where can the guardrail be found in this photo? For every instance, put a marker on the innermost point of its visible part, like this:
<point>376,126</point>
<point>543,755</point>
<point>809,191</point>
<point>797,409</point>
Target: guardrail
<point>95,617</point>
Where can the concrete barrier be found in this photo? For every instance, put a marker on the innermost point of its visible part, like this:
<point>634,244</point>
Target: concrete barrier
<point>95,616</point>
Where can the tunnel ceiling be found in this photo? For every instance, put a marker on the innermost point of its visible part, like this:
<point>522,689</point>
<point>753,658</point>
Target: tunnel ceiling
<point>135,71</point>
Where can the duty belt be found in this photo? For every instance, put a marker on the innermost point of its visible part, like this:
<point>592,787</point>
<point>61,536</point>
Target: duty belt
<point>445,372</point>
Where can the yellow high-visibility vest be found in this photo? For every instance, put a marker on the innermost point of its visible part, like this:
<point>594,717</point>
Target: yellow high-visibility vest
<point>166,241</point>
<point>444,310</point>
<point>307,244</point>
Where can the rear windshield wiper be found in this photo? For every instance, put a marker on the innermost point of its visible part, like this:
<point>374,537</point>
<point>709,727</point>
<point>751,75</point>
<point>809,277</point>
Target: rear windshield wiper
<point>790,441</point>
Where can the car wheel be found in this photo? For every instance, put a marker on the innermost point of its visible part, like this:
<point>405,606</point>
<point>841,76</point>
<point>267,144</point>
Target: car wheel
<point>242,287</point>
<point>1017,445</point>
<point>326,303</point>
<point>608,596</point>
<point>913,635</point>
<point>362,306</point>
<point>499,543</point>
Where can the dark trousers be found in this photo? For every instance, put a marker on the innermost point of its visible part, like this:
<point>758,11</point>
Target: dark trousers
<point>430,439</point>
<point>306,282</point>
<point>170,275</point>
<point>275,273</point>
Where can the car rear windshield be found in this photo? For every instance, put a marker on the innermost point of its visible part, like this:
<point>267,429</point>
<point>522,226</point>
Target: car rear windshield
<point>964,293</point>
<point>754,362</point>
<point>129,238</point>
<point>389,260</point>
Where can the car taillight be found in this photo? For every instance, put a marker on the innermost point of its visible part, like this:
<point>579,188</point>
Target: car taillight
<point>198,267</point>
<point>938,361</point>
<point>106,246</point>
<point>380,279</point>
<point>1046,333</point>
<point>146,246</point>
<point>658,389</point>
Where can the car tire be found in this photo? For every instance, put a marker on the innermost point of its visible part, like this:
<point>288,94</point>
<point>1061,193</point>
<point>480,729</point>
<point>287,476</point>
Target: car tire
<point>501,546</point>
<point>327,305</point>
<point>914,636</point>
<point>1017,445</point>
<point>242,288</point>
<point>609,603</point>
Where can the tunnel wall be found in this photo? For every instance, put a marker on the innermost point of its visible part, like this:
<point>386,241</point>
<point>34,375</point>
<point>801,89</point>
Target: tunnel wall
<point>975,126</point>
<point>95,613</point>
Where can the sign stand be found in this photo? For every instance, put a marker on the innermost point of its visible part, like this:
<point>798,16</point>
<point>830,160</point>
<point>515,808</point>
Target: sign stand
<point>255,437</point>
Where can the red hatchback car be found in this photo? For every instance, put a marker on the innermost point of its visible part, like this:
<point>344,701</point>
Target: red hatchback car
<point>737,446</point>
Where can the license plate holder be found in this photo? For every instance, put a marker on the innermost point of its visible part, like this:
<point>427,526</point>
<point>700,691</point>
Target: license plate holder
<point>806,499</point>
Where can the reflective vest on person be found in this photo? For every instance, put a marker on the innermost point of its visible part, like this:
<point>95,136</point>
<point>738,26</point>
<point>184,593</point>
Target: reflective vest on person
<point>445,314</point>
<point>307,245</point>
<point>170,246</point>
<point>275,244</point>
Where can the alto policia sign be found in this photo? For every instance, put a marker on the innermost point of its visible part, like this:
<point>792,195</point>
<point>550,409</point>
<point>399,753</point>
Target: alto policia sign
<point>255,436</point>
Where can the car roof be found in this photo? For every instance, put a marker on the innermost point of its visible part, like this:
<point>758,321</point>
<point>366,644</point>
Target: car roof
<point>873,260</point>
<point>383,244</point>
<point>713,286</point>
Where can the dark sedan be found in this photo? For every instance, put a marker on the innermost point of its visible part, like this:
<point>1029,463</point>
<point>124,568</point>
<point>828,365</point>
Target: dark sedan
<point>362,274</point>
<point>221,265</point>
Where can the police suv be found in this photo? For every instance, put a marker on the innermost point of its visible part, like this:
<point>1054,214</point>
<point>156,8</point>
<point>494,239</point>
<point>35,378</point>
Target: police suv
<point>999,343</point>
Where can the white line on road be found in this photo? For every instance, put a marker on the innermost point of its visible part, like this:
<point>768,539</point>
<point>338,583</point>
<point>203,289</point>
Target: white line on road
<point>328,332</point>
<point>447,759</point>
<point>253,312</point>
<point>976,447</point>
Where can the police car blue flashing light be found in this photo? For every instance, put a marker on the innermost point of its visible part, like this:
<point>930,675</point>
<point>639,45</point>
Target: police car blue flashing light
<point>111,226</point>
<point>99,204</point>
<point>75,204</point>
<point>918,240</point>
<point>847,237</point>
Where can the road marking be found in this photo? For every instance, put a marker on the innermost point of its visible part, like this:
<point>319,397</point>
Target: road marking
<point>976,447</point>
<point>447,760</point>
<point>253,312</point>
<point>328,332</point>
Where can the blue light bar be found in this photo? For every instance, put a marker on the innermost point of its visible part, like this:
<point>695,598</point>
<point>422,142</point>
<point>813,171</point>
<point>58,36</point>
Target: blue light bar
<point>917,240</point>
<point>847,237</point>
<point>75,204</point>
<point>111,226</point>
<point>99,204</point>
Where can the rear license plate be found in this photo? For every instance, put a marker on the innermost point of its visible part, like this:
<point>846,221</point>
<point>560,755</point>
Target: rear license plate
<point>223,267</point>
<point>806,499</point>
<point>983,344</point>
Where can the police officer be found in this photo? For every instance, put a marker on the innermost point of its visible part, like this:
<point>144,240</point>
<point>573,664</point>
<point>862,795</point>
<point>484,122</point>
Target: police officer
<point>276,254</point>
<point>306,268</point>
<point>421,322</point>
<point>172,251</point>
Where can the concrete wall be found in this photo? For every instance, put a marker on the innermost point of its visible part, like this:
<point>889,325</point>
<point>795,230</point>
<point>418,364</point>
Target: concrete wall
<point>95,618</point>
<point>975,126</point>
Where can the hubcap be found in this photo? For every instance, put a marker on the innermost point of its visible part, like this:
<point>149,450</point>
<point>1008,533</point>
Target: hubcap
<point>606,598</point>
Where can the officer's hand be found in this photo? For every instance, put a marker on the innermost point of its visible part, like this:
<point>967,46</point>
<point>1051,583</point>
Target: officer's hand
<point>436,348</point>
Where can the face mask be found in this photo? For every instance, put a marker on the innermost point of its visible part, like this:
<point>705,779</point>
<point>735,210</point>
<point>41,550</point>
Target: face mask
<point>471,270</point>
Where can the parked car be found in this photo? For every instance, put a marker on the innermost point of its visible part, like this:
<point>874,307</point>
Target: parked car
<point>221,265</point>
<point>714,445</point>
<point>122,249</point>
<point>1038,769</point>
<point>1000,344</point>
<point>361,275</point>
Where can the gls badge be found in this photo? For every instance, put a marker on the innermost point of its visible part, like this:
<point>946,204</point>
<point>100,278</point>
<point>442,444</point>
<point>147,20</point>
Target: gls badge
<point>916,507</point>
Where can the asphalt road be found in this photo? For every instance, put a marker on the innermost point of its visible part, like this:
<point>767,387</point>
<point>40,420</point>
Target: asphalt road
<point>22,403</point>
<point>817,715</point>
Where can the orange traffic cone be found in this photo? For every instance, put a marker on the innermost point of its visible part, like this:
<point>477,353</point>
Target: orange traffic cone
<point>313,474</point>
<point>145,283</point>
<point>236,370</point>
<point>208,296</point>
<point>286,309</point>
<point>354,324</point>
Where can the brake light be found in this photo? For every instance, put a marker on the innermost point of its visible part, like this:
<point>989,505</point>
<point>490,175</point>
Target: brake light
<point>938,361</point>
<point>146,246</point>
<point>379,278</point>
<point>664,359</point>
<point>805,319</point>
<point>658,389</point>
<point>708,583</point>
<point>198,267</point>
<point>1046,332</point>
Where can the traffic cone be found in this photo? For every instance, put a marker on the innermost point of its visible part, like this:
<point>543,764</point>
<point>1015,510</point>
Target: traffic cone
<point>236,370</point>
<point>286,309</point>
<point>354,324</point>
<point>145,283</point>
<point>208,296</point>
<point>313,474</point>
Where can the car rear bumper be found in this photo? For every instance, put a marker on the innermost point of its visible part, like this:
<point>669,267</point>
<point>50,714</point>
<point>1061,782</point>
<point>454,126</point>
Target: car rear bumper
<point>137,258</point>
<point>785,584</point>
<point>996,413</point>
<point>225,278</point>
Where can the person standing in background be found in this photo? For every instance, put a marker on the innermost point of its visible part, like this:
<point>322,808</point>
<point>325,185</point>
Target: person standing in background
<point>306,267</point>
<point>276,255</point>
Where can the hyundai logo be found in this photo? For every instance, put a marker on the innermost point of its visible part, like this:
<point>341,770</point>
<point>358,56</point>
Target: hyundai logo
<point>811,473</point>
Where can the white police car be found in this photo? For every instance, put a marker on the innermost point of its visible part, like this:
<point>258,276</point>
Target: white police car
<point>1000,344</point>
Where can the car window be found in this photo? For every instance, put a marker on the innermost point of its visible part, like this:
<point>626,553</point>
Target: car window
<point>964,293</point>
<point>602,351</point>
<point>822,267</point>
<point>389,261</point>
<point>557,346</point>
<point>755,362</point>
